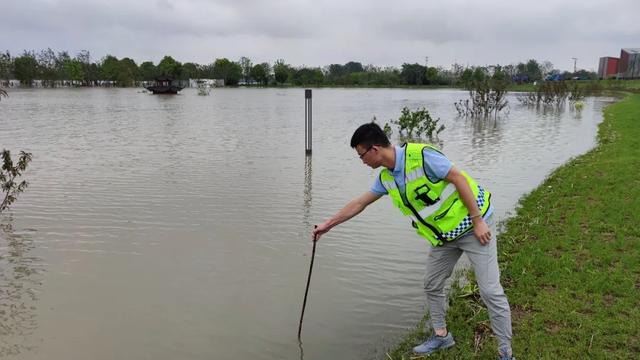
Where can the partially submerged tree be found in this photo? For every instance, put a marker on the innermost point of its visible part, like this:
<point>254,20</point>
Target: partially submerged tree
<point>9,175</point>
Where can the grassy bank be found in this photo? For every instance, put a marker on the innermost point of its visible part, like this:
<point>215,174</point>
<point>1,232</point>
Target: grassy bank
<point>570,260</point>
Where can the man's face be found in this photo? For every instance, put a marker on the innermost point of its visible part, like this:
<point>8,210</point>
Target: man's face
<point>369,155</point>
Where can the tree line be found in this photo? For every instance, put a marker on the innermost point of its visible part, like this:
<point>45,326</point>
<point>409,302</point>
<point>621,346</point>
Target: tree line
<point>51,68</point>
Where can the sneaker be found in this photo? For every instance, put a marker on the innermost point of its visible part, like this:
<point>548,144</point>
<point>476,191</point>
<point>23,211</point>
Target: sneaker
<point>506,357</point>
<point>435,343</point>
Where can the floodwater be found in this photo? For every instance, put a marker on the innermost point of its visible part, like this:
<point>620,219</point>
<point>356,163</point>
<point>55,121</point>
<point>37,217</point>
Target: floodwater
<point>177,227</point>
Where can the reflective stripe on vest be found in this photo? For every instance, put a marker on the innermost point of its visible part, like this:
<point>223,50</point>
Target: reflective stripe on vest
<point>436,208</point>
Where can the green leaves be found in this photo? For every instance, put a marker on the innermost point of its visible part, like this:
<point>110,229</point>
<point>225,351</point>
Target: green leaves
<point>8,175</point>
<point>413,124</point>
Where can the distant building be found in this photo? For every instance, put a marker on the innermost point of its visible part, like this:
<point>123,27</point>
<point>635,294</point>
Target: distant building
<point>629,64</point>
<point>608,67</point>
<point>194,83</point>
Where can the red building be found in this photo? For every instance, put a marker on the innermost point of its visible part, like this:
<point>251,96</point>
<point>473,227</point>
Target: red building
<point>608,67</point>
<point>629,64</point>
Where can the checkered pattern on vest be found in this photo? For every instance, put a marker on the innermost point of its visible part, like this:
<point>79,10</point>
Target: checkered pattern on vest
<point>465,224</point>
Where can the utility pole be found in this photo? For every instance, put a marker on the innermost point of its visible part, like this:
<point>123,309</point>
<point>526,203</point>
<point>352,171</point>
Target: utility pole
<point>575,60</point>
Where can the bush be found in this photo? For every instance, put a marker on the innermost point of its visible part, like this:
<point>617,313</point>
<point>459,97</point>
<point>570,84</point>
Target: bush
<point>417,123</point>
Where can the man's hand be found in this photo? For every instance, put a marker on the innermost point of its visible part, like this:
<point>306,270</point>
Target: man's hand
<point>481,231</point>
<point>319,230</point>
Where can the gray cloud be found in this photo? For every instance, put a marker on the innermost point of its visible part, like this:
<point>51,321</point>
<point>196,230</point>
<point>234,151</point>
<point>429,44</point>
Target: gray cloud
<point>327,31</point>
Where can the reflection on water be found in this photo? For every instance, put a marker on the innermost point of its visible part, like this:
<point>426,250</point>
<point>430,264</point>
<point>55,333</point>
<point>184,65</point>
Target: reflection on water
<point>20,281</point>
<point>179,227</point>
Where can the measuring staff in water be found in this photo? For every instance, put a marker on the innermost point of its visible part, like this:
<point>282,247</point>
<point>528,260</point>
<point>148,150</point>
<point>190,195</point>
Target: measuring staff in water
<point>450,210</point>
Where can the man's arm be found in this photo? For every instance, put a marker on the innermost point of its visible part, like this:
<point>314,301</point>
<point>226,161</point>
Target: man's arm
<point>353,208</point>
<point>480,228</point>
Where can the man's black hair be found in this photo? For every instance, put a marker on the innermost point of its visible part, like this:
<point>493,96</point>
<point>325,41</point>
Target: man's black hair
<point>369,134</point>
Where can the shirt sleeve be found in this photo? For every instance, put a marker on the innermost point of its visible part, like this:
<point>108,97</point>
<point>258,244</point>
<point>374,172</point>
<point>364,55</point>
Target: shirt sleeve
<point>436,164</point>
<point>378,188</point>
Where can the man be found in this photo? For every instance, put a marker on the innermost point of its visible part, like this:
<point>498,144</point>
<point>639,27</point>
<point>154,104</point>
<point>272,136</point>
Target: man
<point>450,210</point>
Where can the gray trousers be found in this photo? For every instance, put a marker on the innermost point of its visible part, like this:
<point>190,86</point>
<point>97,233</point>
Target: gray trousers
<point>440,263</point>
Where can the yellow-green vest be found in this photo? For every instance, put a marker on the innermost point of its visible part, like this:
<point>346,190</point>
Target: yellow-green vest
<point>436,208</point>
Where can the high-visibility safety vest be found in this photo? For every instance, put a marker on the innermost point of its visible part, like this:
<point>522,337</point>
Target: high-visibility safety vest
<point>437,210</point>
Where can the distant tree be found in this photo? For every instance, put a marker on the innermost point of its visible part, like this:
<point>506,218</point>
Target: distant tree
<point>432,76</point>
<point>335,74</point>
<point>47,61</point>
<point>26,68</point>
<point>75,70</point>
<point>127,72</point>
<point>62,66</point>
<point>84,58</point>
<point>510,71</point>
<point>281,71</point>
<point>93,73</point>
<point>6,65</point>
<point>546,68</point>
<point>260,73</point>
<point>109,67</point>
<point>207,72</point>
<point>246,65</point>
<point>353,67</point>
<point>147,71</point>
<point>413,74</point>
<point>190,71</point>
<point>229,71</point>
<point>307,76</point>
<point>169,67</point>
<point>534,71</point>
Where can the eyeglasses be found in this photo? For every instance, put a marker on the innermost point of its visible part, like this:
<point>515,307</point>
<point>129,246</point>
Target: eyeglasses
<point>366,151</point>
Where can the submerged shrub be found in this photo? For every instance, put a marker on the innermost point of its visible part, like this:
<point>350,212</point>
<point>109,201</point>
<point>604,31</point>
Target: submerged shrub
<point>487,93</point>
<point>8,175</point>
<point>553,93</point>
<point>415,124</point>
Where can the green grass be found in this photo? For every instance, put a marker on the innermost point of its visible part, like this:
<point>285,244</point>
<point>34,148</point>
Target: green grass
<point>570,260</point>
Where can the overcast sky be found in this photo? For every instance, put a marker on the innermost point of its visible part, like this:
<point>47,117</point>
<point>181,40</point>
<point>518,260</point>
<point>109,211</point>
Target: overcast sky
<point>322,32</point>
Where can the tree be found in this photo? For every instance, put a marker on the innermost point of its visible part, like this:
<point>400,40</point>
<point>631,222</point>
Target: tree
<point>190,71</point>
<point>109,68</point>
<point>169,67</point>
<point>89,74</point>
<point>307,76</point>
<point>229,71</point>
<point>246,66</point>
<point>147,71</point>
<point>281,71</point>
<point>431,76</point>
<point>26,68</point>
<point>413,74</point>
<point>335,73</point>
<point>47,66</point>
<point>260,73</point>
<point>546,68</point>
<point>127,72</point>
<point>353,67</point>
<point>75,70</point>
<point>6,65</point>
<point>62,67</point>
<point>533,70</point>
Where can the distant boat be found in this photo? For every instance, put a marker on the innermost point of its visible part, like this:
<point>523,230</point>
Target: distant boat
<point>164,85</point>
